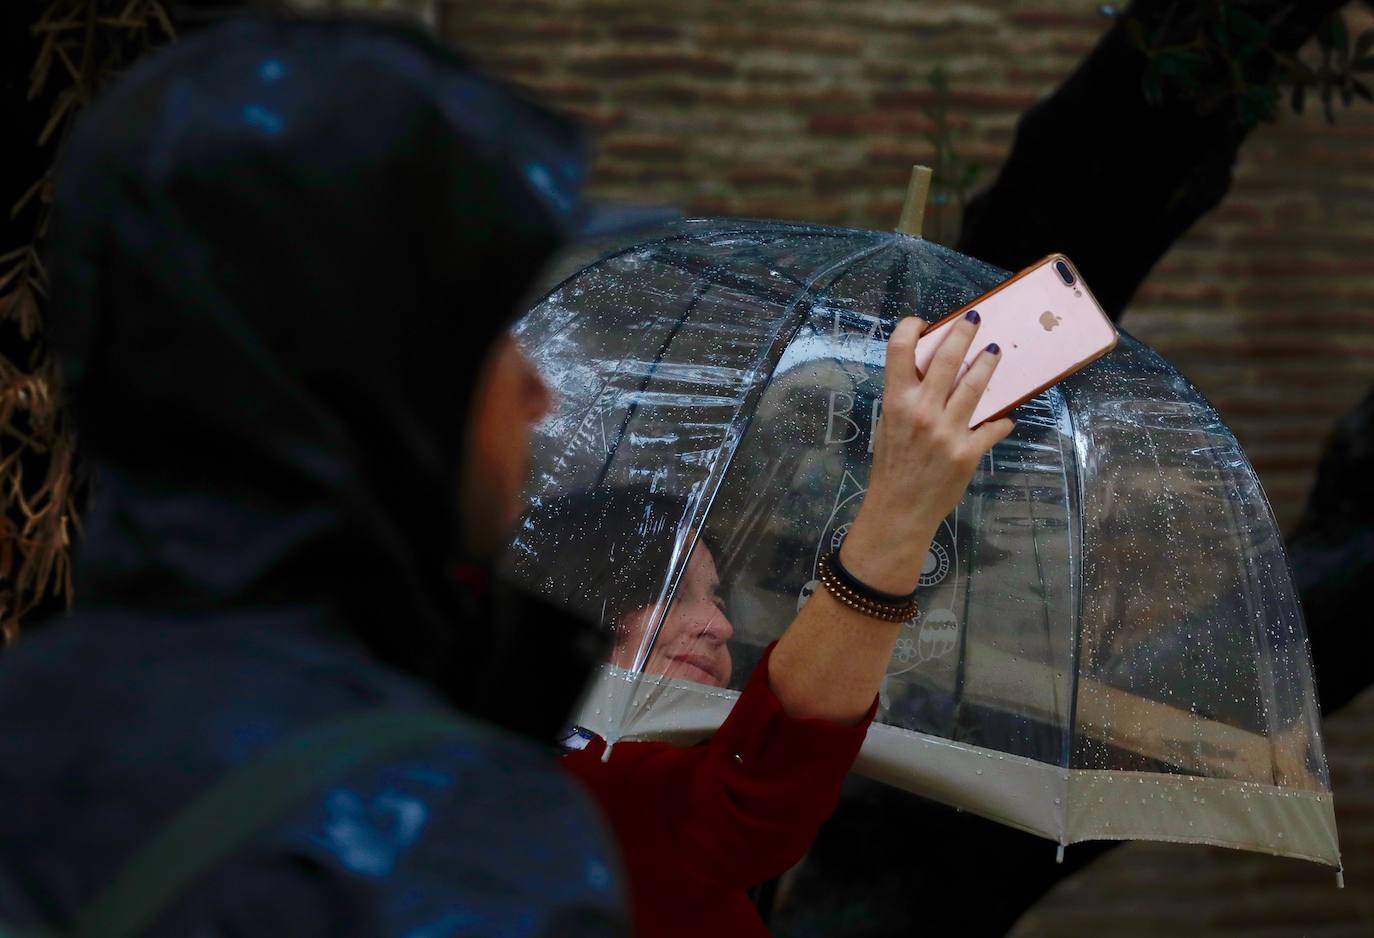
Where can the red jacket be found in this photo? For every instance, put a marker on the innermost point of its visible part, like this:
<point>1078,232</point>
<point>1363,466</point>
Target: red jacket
<point>698,826</point>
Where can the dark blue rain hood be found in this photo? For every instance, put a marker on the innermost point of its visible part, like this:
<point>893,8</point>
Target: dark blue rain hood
<point>281,253</point>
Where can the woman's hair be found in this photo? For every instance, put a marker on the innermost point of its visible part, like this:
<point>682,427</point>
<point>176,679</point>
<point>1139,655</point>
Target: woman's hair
<point>601,554</point>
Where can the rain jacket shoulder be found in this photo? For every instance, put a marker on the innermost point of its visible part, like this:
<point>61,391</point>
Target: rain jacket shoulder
<point>111,724</point>
<point>700,825</point>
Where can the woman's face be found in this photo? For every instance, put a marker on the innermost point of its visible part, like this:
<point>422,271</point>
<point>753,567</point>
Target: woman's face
<point>692,643</point>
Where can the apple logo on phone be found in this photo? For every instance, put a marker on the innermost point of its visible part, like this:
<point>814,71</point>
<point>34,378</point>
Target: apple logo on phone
<point>1049,320</point>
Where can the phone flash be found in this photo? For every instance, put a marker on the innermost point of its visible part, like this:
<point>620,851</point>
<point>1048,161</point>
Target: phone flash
<point>1077,292</point>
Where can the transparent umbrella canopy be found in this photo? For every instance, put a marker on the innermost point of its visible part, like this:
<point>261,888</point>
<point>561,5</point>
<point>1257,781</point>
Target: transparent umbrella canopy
<point>1108,643</point>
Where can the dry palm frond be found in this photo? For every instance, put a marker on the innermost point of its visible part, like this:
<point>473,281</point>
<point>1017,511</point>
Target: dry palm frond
<point>81,45</point>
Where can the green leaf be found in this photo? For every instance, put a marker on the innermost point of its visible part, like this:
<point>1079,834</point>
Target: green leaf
<point>1365,64</point>
<point>1361,89</point>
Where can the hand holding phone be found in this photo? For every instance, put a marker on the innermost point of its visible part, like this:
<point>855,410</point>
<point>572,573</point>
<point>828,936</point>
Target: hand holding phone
<point>1047,325</point>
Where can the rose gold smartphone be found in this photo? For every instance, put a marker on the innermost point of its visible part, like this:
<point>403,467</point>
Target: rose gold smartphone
<point>1047,324</point>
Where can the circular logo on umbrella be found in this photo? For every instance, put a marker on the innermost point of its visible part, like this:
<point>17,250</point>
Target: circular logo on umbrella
<point>934,633</point>
<point>936,567</point>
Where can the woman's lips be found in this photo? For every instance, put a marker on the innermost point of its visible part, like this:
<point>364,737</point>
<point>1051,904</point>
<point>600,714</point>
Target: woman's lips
<point>703,666</point>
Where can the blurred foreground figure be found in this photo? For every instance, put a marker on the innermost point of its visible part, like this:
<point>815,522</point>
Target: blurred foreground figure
<point>285,257</point>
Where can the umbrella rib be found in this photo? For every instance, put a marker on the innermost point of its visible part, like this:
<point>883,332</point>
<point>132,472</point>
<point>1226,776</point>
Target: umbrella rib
<point>782,338</point>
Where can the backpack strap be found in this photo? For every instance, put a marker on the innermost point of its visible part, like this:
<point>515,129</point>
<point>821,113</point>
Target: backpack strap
<point>237,806</point>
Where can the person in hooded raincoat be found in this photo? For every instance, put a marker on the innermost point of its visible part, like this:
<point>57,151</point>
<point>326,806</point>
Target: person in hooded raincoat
<point>284,260</point>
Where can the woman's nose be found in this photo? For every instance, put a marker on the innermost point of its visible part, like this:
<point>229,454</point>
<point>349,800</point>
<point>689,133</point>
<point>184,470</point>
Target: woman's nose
<point>717,627</point>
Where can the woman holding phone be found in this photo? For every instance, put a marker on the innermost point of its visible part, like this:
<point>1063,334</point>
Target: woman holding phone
<point>700,825</point>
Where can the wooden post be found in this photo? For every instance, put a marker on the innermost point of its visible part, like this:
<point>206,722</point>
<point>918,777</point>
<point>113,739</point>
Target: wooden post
<point>914,209</point>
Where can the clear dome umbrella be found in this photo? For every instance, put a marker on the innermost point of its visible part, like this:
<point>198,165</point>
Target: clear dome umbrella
<point>1108,644</point>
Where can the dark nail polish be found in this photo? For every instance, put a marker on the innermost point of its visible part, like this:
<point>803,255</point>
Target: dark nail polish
<point>994,348</point>
<point>972,316</point>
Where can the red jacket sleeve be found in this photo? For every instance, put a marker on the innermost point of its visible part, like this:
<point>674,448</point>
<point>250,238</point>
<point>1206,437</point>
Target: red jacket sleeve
<point>736,810</point>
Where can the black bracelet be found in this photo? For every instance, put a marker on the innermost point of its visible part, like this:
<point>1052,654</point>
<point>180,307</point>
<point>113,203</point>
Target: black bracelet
<point>862,599</point>
<point>862,588</point>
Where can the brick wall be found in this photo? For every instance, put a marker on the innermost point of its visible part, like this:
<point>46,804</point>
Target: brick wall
<point>811,109</point>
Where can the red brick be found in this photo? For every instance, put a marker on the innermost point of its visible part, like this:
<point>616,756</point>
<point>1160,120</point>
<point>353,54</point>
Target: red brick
<point>819,101</point>
<point>766,74</point>
<point>792,210</point>
<point>896,75</point>
<point>905,154</point>
<point>556,92</point>
<point>826,101</point>
<point>1234,210</point>
<point>1192,293</point>
<point>883,122</point>
<point>916,97</point>
<point>965,99</point>
<point>794,40</point>
<point>517,65</point>
<point>536,30</point>
<point>1072,46</point>
<point>1292,212</point>
<point>1022,75</point>
<point>670,93</point>
<point>621,173</point>
<point>1293,264</point>
<point>1305,406</point>
<point>663,62</point>
<point>1058,19</point>
<point>644,32</point>
<point>1331,307</point>
<point>653,147</point>
<point>704,206</point>
<point>456,14</point>
<point>598,118</point>
<point>858,179</point>
<point>757,177</point>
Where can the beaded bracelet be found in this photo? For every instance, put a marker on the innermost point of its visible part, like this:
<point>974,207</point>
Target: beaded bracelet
<point>859,596</point>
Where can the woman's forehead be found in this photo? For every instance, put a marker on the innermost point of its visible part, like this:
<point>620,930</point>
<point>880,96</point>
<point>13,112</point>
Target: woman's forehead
<point>701,566</point>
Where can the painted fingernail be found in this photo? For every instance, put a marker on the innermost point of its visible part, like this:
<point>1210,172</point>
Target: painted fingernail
<point>994,348</point>
<point>972,316</point>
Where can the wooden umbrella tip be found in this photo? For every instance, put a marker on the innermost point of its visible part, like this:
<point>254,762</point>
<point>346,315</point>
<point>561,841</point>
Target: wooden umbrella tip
<point>914,208</point>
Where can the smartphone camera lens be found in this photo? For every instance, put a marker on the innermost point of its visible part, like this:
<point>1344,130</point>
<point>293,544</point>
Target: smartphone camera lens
<point>1065,274</point>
